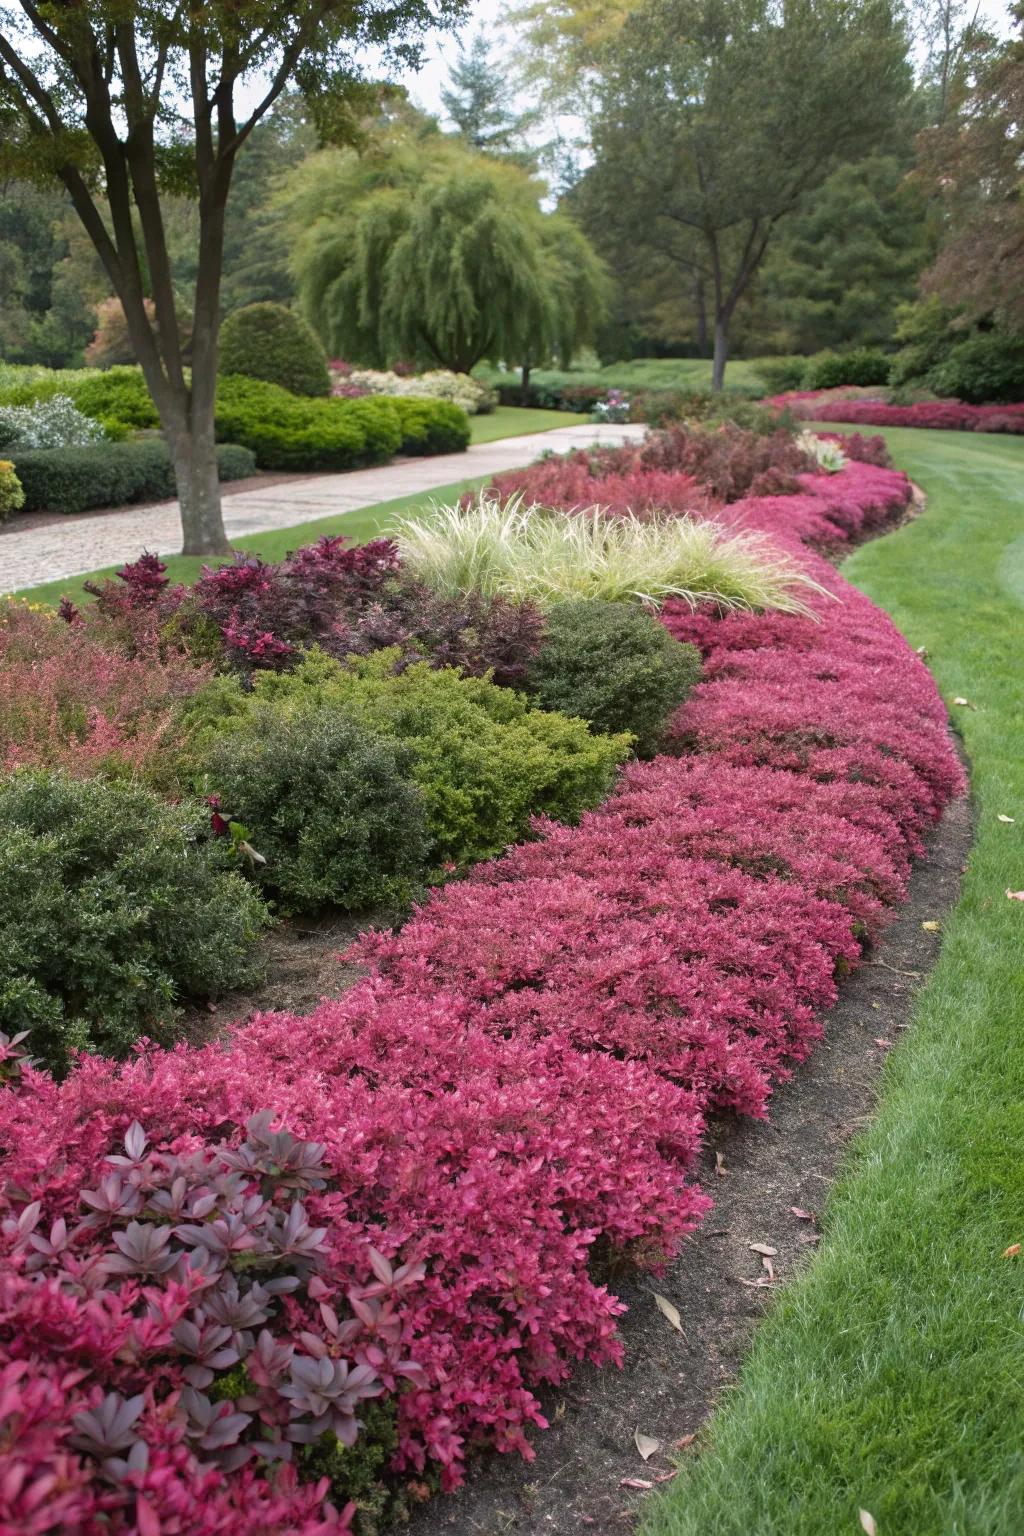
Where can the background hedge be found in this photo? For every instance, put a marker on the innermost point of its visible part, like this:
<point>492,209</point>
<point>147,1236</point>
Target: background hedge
<point>110,474</point>
<point>270,342</point>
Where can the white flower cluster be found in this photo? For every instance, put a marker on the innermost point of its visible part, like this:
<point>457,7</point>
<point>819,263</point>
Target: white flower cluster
<point>459,388</point>
<point>53,423</point>
<point>827,455</point>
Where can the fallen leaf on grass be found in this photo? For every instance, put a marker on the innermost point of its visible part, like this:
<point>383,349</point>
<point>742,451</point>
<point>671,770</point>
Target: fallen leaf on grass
<point>1015,895</point>
<point>1008,819</point>
<point>867,1521</point>
<point>800,1214</point>
<point>635,1482</point>
<point>646,1444</point>
<point>1012,1251</point>
<point>683,1442</point>
<point>669,1312</point>
<point>965,703</point>
<point>922,650</point>
<point>932,927</point>
<point>666,1477</point>
<point>764,1249</point>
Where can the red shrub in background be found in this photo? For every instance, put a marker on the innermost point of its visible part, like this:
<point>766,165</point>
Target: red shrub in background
<point>523,1075</point>
<point>948,415</point>
<point>612,478</point>
<point>67,701</point>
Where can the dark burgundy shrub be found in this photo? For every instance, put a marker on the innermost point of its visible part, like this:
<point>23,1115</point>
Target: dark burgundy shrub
<point>727,460</point>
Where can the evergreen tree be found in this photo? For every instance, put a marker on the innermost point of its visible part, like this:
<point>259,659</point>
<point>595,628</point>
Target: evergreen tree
<point>478,100</point>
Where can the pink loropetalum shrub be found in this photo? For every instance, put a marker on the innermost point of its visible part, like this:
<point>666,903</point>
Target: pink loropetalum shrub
<point>947,415</point>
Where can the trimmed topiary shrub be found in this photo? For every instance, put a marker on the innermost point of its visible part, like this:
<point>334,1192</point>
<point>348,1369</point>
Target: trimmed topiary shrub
<point>110,474</point>
<point>329,805</point>
<point>615,666</point>
<point>484,760</point>
<point>269,342</point>
<point>861,367</point>
<point>431,426</point>
<point>12,496</point>
<point>113,907</point>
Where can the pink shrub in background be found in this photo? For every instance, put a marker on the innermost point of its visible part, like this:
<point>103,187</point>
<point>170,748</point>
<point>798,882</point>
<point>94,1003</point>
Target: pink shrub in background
<point>948,415</point>
<point>613,479</point>
<point>521,1079</point>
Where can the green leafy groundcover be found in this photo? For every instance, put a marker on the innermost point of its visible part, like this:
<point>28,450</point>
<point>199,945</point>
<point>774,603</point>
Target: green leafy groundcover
<point>888,1378</point>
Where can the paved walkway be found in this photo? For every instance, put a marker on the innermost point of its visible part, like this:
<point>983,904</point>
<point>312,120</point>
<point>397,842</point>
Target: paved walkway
<point>82,543</point>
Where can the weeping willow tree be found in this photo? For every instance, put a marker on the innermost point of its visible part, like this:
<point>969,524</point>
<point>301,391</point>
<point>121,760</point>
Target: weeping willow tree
<point>421,248</point>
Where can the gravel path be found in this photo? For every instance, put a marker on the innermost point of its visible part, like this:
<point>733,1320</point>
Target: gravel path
<point>86,542</point>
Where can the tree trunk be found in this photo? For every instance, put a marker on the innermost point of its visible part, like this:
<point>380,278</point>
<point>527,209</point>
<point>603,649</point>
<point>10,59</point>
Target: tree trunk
<point>721,351</point>
<point>194,455</point>
<point>524,388</point>
<point>702,316</point>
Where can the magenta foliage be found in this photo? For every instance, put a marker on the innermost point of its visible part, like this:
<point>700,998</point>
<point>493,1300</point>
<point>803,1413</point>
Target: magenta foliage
<point>614,480</point>
<point>519,1084</point>
<point>949,415</point>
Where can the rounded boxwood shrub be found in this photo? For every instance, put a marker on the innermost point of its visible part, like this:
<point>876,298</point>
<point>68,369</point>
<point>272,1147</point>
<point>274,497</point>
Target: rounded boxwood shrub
<point>267,341</point>
<point>861,367</point>
<point>330,806</point>
<point>485,761</point>
<point>614,665</point>
<point>286,432</point>
<point>114,906</point>
<point>110,474</point>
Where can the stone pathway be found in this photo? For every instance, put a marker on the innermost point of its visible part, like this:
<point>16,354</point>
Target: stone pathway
<point>83,543</point>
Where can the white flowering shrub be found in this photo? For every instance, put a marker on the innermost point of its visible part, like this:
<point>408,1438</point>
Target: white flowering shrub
<point>474,397</point>
<point>53,423</point>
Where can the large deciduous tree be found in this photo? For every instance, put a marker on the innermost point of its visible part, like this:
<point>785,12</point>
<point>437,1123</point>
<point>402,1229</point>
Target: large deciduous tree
<point>716,117</point>
<point>974,161</point>
<point>420,248</point>
<point>120,100</point>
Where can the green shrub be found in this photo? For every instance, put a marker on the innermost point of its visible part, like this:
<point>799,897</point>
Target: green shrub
<point>118,398</point>
<point>113,907</point>
<point>382,427</point>
<point>431,426</point>
<point>984,369</point>
<point>781,374</point>
<point>861,367</point>
<point>484,759</point>
<point>614,666</point>
<point>110,474</point>
<point>12,495</point>
<point>270,342</point>
<point>330,806</point>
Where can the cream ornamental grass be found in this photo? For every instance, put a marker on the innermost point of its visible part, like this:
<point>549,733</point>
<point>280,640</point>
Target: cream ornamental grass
<point>510,549</point>
<point>828,456</point>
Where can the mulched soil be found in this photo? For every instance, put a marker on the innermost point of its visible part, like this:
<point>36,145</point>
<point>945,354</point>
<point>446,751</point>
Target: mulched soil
<point>671,1381</point>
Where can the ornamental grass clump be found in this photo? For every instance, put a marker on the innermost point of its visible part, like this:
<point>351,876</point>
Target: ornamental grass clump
<point>520,551</point>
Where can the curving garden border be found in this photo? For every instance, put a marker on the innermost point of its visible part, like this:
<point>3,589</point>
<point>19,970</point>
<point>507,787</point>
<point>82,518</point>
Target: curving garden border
<point>940,415</point>
<point>519,1086</point>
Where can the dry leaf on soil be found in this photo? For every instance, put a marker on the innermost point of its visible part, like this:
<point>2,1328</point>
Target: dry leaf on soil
<point>867,1521</point>
<point>683,1442</point>
<point>765,1249</point>
<point>932,927</point>
<point>720,1167</point>
<point>646,1444</point>
<point>634,1482</point>
<point>801,1214</point>
<point>668,1311</point>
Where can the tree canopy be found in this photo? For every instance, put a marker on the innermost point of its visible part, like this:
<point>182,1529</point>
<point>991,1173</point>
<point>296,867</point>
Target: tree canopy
<point>419,248</point>
<point>124,101</point>
<point>716,117</point>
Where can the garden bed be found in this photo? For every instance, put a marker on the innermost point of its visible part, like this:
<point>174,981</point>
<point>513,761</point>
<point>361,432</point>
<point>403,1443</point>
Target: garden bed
<point>510,1105</point>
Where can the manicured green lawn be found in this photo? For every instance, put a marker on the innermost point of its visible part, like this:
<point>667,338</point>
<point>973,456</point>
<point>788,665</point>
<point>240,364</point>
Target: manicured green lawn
<point>363,524</point>
<point>513,420</point>
<point>644,373</point>
<point>891,1377</point>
